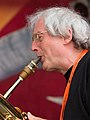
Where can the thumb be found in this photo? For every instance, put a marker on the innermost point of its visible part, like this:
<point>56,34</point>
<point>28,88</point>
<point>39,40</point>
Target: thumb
<point>31,117</point>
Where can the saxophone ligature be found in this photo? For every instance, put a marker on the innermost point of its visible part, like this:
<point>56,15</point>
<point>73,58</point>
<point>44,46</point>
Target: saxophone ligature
<point>7,110</point>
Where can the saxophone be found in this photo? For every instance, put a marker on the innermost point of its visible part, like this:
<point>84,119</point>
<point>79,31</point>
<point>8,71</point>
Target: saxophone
<point>7,110</point>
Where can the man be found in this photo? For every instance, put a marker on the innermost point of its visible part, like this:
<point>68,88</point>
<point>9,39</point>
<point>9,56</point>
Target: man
<point>61,38</point>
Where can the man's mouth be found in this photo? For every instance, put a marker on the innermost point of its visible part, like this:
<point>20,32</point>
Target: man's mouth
<point>42,59</point>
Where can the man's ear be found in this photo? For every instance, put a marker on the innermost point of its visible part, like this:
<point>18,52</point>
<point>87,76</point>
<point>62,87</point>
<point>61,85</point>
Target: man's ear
<point>68,38</point>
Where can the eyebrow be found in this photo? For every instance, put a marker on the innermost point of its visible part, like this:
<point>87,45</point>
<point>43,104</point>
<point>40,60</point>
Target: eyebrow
<point>40,32</point>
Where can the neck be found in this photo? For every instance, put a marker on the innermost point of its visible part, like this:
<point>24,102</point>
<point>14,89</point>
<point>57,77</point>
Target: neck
<point>71,57</point>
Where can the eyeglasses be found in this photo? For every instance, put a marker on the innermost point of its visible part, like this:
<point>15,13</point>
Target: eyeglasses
<point>38,36</point>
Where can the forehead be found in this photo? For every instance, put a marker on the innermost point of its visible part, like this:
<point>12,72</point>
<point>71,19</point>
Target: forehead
<point>39,26</point>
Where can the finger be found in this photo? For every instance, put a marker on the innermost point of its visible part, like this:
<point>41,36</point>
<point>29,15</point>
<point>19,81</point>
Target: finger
<point>31,117</point>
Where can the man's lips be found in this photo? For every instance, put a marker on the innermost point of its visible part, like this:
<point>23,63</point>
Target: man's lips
<point>42,58</point>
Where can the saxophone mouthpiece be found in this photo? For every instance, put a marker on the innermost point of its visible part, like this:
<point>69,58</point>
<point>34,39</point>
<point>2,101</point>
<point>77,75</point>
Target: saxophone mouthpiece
<point>37,60</point>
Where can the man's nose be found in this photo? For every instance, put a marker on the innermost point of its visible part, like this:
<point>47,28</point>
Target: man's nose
<point>34,46</point>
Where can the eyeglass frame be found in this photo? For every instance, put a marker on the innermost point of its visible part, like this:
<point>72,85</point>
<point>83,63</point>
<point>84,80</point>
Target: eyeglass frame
<point>36,37</point>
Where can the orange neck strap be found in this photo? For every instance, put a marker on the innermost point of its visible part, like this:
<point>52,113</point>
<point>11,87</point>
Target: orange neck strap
<point>66,93</point>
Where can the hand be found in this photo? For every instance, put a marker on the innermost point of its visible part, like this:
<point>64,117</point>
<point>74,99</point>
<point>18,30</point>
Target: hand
<point>31,117</point>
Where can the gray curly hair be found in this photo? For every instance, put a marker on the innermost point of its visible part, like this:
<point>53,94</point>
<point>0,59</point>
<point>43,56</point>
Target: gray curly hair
<point>59,19</point>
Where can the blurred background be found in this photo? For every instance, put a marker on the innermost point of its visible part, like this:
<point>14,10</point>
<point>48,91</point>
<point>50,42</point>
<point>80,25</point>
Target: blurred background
<point>42,92</point>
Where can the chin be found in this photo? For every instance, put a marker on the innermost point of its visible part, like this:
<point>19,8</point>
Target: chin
<point>45,67</point>
<point>48,68</point>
